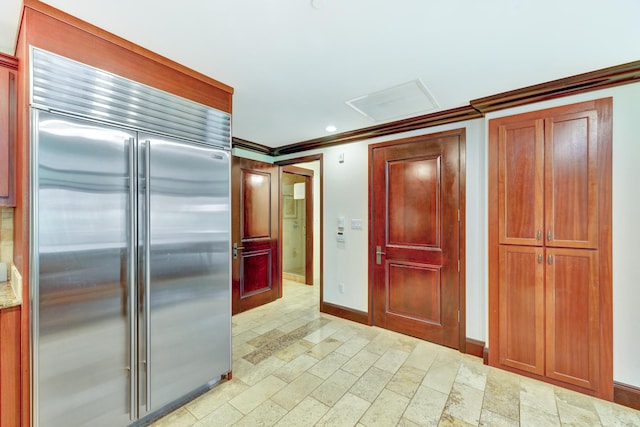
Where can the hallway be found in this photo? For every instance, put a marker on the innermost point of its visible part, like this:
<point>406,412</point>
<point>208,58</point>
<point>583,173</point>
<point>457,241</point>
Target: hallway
<point>293,366</point>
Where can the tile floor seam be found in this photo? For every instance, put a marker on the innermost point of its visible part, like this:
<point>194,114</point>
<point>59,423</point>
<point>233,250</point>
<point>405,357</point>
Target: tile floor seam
<point>417,374</point>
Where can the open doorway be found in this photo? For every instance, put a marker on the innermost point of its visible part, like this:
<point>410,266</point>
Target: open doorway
<point>297,224</point>
<point>313,218</point>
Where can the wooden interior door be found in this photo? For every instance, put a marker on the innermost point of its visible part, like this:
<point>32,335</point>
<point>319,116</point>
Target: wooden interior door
<point>254,233</point>
<point>522,308</point>
<point>415,236</point>
<point>573,316</point>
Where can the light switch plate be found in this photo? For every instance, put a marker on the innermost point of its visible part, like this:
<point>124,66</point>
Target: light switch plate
<point>356,224</point>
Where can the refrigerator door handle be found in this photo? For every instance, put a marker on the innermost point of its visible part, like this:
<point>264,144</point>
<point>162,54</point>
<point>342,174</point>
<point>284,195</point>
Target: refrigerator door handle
<point>147,270</point>
<point>133,244</point>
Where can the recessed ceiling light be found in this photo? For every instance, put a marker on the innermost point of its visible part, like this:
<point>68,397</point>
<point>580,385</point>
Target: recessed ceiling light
<point>331,128</point>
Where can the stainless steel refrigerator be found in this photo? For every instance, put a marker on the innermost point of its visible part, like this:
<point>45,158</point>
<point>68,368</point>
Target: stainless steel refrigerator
<point>130,247</point>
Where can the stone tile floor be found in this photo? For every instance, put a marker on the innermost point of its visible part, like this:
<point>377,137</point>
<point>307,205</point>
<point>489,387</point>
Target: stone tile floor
<point>293,366</point>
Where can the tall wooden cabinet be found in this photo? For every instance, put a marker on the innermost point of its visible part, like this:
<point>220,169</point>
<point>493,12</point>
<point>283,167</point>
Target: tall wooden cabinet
<point>550,245</point>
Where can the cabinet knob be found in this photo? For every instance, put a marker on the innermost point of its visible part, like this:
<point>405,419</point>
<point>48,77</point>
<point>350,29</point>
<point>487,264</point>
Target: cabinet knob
<point>549,235</point>
<point>539,234</point>
<point>539,258</point>
<point>550,260</point>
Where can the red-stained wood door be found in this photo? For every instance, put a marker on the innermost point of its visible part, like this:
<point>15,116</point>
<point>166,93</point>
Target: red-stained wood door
<point>254,234</point>
<point>415,232</point>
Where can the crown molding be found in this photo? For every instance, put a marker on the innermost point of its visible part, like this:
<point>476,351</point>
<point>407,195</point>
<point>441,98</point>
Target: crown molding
<point>581,83</point>
<point>8,61</point>
<point>441,117</point>
<point>252,146</point>
<point>600,79</point>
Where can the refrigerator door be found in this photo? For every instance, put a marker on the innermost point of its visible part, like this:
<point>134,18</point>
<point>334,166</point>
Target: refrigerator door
<point>186,294</point>
<point>82,257</point>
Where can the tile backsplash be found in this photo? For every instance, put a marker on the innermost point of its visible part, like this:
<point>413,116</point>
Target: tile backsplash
<point>6,236</point>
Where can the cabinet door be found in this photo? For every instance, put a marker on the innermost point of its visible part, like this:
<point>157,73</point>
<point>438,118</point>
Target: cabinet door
<point>520,182</point>
<point>573,316</point>
<point>571,154</point>
<point>521,308</point>
<point>7,134</point>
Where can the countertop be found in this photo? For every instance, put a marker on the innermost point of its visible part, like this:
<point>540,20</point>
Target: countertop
<point>7,296</point>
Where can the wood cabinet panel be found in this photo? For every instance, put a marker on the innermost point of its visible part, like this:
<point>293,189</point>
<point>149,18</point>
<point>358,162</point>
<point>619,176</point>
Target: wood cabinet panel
<point>522,308</point>
<point>8,75</point>
<point>520,182</point>
<point>255,189</point>
<point>572,316</point>
<point>10,366</point>
<point>571,156</point>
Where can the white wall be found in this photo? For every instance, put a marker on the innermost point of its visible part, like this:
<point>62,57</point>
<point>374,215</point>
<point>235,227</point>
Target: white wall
<point>626,221</point>
<point>345,193</point>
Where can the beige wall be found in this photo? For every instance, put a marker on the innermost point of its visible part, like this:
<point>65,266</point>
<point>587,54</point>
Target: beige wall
<point>6,236</point>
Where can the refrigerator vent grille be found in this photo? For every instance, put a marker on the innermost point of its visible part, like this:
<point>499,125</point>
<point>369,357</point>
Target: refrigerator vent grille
<point>61,84</point>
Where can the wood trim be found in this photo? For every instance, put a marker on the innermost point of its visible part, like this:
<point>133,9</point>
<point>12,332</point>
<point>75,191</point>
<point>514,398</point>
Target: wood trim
<point>8,61</point>
<point>474,347</point>
<point>605,246</point>
<point>581,83</point>
<point>297,171</point>
<point>47,28</point>
<point>345,312</point>
<point>462,240</point>
<point>441,117</point>
<point>485,356</point>
<point>65,18</point>
<point>477,108</point>
<point>627,395</point>
<point>251,146</point>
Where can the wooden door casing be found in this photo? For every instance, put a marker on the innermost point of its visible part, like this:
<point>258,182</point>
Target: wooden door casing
<point>416,285</point>
<point>255,234</point>
<point>572,316</point>
<point>522,307</point>
<point>306,176</point>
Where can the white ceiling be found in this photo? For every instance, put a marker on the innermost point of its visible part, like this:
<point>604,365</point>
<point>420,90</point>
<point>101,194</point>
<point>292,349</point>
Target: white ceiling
<point>293,65</point>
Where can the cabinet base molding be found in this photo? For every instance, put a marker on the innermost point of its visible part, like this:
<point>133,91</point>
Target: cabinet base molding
<point>626,395</point>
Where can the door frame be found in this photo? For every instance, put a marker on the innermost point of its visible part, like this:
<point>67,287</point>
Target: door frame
<point>306,159</point>
<point>461,134</point>
<point>307,174</point>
